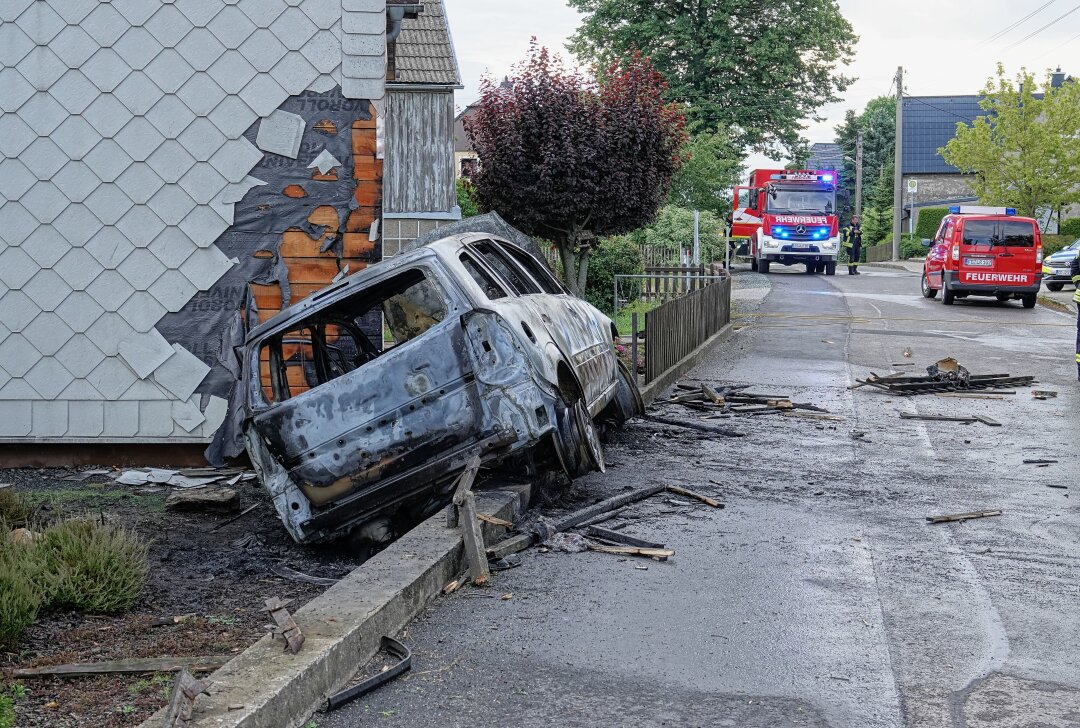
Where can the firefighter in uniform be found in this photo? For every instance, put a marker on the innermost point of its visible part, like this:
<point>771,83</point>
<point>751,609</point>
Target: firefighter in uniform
<point>851,241</point>
<point>1074,271</point>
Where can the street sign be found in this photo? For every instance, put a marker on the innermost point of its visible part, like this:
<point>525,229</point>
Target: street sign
<point>913,186</point>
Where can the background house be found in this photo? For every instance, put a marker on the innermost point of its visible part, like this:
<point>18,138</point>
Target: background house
<point>826,155</point>
<point>419,185</point>
<point>172,172</point>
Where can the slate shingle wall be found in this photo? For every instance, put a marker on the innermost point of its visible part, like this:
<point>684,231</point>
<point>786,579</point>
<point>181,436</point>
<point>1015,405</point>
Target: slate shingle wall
<point>929,123</point>
<point>121,157</point>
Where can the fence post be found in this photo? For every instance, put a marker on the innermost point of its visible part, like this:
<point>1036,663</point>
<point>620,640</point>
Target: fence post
<point>633,344</point>
<point>615,296</point>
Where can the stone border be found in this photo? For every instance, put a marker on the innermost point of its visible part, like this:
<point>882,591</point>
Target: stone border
<point>265,688</point>
<point>653,389</point>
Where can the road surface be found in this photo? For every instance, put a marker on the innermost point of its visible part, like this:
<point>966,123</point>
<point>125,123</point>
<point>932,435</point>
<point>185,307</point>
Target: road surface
<point>820,596</point>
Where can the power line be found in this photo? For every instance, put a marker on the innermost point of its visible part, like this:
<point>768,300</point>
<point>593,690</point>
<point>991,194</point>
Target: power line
<point>1031,35</point>
<point>944,111</point>
<point>1058,48</point>
<point>1019,22</point>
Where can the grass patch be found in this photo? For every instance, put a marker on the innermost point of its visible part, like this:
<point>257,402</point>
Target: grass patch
<point>14,508</point>
<point>71,565</point>
<point>622,323</point>
<point>95,496</point>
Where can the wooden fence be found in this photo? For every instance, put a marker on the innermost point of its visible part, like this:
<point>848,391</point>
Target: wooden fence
<point>879,253</point>
<point>674,330</point>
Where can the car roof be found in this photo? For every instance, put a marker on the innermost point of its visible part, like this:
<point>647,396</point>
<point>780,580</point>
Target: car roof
<point>963,216</point>
<point>447,247</point>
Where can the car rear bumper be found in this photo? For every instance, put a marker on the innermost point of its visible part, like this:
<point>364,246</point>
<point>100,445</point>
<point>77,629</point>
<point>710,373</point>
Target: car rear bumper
<point>990,289</point>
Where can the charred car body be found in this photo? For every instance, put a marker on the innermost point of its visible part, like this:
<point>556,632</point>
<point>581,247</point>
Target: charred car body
<point>364,401</point>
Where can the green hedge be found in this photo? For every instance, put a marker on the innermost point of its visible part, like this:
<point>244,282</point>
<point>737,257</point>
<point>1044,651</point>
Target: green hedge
<point>929,220</point>
<point>616,256</point>
<point>1070,228</point>
<point>1054,243</point>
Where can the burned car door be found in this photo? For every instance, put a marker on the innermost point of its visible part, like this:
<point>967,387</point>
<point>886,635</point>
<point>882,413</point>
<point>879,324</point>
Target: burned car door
<point>346,416</point>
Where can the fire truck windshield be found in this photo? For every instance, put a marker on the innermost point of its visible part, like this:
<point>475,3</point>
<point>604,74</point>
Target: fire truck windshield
<point>780,200</point>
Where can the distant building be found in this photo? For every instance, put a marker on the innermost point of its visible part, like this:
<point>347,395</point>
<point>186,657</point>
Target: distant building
<point>825,156</point>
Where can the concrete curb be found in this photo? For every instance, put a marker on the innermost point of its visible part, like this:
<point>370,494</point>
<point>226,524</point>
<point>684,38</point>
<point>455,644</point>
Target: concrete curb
<point>893,266</point>
<point>653,389</point>
<point>342,627</point>
<point>1056,305</point>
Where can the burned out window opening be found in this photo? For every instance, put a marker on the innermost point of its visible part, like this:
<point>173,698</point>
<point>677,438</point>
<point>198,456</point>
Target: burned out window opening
<point>506,268</point>
<point>487,282</point>
<point>339,339</point>
<point>543,277</point>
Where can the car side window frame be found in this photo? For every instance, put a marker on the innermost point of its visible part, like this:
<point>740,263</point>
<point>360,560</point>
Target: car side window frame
<point>468,257</point>
<point>512,266</point>
<point>544,278</point>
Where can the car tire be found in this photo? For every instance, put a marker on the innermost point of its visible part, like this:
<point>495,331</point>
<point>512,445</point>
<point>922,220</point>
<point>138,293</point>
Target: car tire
<point>1029,300</point>
<point>927,291</point>
<point>627,402</point>
<point>753,264</point>
<point>1055,287</point>
<point>576,439</point>
<point>947,296</point>
<point>763,266</point>
<point>830,268</point>
<point>811,269</point>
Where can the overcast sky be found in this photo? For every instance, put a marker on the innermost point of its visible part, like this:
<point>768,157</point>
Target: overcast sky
<point>942,44</point>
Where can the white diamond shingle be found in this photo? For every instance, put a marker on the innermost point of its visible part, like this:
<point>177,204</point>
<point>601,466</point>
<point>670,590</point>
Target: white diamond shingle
<point>203,223</point>
<point>235,159</point>
<point>74,46</point>
<point>232,117</point>
<point>49,378</point>
<point>10,10</point>
<point>170,116</point>
<point>168,25</point>
<point>262,12</point>
<point>40,22</point>
<point>182,373</point>
<point>145,352</point>
<point>155,419</point>
<point>15,178</point>
<point>41,68</point>
<point>139,182</point>
<point>47,332</point>
<point>294,73</point>
<point>172,247</point>
<point>138,93</point>
<point>137,47</point>
<point>104,24</point>
<point>187,416</point>
<point>73,11</point>
<point>107,333</point>
<point>107,115</point>
<point>77,225</point>
<point>42,113</point>
<point>16,223</point>
<point>293,29</point>
<point>323,51</point>
<point>15,135</point>
<point>201,94</point>
<point>202,182</point>
<point>172,290</point>
<point>80,390</point>
<point>281,133</point>
<point>142,311</point>
<point>231,27</point>
<point>140,269</point>
<point>74,91</point>
<point>44,201</point>
<point>261,92</point>
<point>106,69</point>
<point>261,49</point>
<point>17,310</point>
<point>112,378</point>
<point>80,311</point>
<point>14,90</point>
<point>171,161</point>
<point>17,355</point>
<point>324,13</point>
<point>76,180</point>
<point>78,268</point>
<point>109,247</point>
<point>205,266</point>
<point>110,290</point>
<point>140,226</point>
<point>136,12</point>
<point>200,48</point>
<point>107,160</point>
<point>231,71</point>
<point>46,245</point>
<point>16,267</point>
<point>14,44</point>
<point>202,139</point>
<point>169,70</point>
<point>139,139</point>
<point>199,12</point>
<point>108,203</point>
<point>47,289</point>
<point>79,355</point>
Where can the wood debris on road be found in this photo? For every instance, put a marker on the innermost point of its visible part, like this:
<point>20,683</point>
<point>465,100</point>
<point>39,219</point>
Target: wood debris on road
<point>131,666</point>
<point>960,517</point>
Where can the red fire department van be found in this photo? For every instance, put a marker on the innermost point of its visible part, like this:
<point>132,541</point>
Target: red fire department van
<point>984,251</point>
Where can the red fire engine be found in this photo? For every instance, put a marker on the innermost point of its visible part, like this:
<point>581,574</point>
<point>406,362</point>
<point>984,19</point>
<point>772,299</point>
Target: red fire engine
<point>788,217</point>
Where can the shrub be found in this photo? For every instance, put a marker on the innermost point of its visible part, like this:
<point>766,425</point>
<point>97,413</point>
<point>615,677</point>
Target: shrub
<point>21,596</point>
<point>616,256</point>
<point>466,199</point>
<point>1070,228</point>
<point>1054,243</point>
<point>929,220</point>
<point>912,248</point>
<point>14,510</point>
<point>93,568</point>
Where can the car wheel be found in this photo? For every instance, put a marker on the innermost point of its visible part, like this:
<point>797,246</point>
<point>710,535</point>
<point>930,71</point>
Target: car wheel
<point>1030,300</point>
<point>577,443</point>
<point>830,268</point>
<point>763,266</point>
<point>753,264</point>
<point>927,291</point>
<point>1055,287</point>
<point>947,296</point>
<point>811,269</point>
<point>627,402</point>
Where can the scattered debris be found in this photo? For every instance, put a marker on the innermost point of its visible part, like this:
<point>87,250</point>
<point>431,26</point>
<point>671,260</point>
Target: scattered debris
<point>696,496</point>
<point>185,690</point>
<point>188,478</point>
<point>1043,394</point>
<point>235,518</point>
<point>286,625</point>
<point>504,564</point>
<point>960,517</point>
<point>286,573</point>
<point>86,475</point>
<point>23,536</point>
<point>217,500</point>
<point>404,664</point>
<point>938,418</point>
<point>462,513</point>
<point>907,352</point>
<point>694,426</point>
<point>452,586</point>
<point>988,421</point>
<point>131,666</point>
<point>814,416</point>
<point>1037,461</point>
<point>731,400</point>
<point>658,554</point>
<point>968,395</point>
<point>1054,485</point>
<point>605,534</point>
<point>570,543</point>
<point>943,376</point>
<point>494,521</point>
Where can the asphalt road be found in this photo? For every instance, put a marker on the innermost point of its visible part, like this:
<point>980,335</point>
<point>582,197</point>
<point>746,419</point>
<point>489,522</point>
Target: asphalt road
<point>820,596</point>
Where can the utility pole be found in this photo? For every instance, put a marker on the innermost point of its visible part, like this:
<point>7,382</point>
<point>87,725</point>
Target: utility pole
<point>898,172</point>
<point>858,172</point>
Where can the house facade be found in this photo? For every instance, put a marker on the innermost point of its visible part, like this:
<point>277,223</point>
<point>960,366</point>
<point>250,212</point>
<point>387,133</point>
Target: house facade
<point>174,172</point>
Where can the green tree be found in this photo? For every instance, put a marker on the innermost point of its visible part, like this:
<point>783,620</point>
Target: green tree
<point>1025,153</point>
<point>673,232</point>
<point>877,122</point>
<point>758,67</point>
<point>877,209</point>
<point>712,165</point>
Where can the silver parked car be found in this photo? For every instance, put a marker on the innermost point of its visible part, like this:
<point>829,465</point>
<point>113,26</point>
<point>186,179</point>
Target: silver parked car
<point>365,400</point>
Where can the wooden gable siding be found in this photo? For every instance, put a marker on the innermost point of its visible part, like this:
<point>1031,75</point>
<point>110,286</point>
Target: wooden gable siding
<point>419,174</point>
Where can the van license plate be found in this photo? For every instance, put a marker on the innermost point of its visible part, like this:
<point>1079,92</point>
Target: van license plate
<point>979,262</point>
<point>801,246</point>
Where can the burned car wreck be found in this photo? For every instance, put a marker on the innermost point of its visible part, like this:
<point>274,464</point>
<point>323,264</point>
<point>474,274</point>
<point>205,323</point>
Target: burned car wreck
<point>364,401</point>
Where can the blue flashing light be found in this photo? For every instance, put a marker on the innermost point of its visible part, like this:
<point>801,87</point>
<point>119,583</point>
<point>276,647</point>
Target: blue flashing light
<point>827,178</point>
<point>1010,210</point>
<point>955,209</point>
